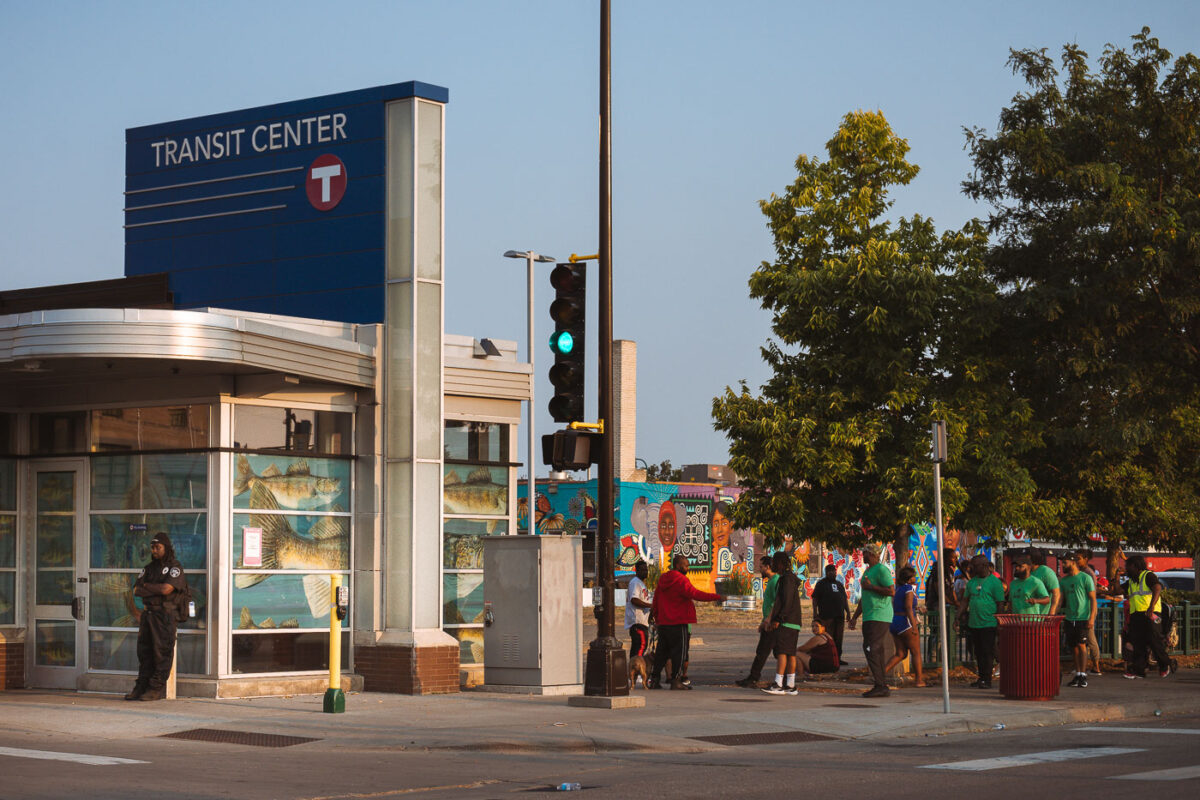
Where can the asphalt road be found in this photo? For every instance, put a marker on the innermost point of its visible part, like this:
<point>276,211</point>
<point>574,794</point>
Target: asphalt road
<point>1077,761</point>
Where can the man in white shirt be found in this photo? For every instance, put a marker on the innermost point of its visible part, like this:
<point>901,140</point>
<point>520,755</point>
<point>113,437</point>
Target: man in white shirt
<point>637,611</point>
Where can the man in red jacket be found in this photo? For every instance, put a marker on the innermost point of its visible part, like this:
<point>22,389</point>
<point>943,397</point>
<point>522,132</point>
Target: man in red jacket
<point>674,610</point>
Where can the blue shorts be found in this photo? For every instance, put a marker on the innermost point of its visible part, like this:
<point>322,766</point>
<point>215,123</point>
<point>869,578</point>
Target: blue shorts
<point>899,625</point>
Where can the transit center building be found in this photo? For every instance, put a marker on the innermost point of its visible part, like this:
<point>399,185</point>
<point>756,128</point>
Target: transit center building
<point>270,384</point>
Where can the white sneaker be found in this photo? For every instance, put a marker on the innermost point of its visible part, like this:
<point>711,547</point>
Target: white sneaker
<point>775,688</point>
<point>791,690</point>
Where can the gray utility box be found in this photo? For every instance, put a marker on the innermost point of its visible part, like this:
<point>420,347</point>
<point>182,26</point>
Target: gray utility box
<point>531,597</point>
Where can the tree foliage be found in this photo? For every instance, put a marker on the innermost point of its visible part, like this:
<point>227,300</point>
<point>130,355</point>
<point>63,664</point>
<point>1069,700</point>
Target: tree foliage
<point>878,327</point>
<point>1092,177</point>
<point>663,472</point>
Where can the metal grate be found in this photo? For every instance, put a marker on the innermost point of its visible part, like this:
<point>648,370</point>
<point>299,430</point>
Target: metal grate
<point>239,737</point>
<point>744,700</point>
<point>771,737</point>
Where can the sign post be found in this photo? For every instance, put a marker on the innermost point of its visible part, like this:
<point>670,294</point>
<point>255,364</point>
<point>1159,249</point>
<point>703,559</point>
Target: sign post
<point>939,457</point>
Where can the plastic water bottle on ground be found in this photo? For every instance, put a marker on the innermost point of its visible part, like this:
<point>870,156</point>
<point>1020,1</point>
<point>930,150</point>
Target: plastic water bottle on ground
<point>569,787</point>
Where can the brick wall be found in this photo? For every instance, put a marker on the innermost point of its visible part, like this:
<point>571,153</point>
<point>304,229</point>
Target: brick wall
<point>12,665</point>
<point>407,670</point>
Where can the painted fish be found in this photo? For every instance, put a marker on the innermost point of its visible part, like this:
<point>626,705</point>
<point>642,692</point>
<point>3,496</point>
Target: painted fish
<point>246,622</point>
<point>477,495</point>
<point>295,489</point>
<point>5,605</point>
<point>325,547</point>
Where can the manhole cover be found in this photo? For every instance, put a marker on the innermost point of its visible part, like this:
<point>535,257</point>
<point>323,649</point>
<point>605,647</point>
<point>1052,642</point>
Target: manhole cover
<point>239,737</point>
<point>771,737</point>
<point>744,700</point>
<point>849,705</point>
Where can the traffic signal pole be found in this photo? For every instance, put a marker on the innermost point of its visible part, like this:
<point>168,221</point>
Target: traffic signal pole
<point>607,673</point>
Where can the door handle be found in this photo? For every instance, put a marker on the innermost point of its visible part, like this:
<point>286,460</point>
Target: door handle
<point>78,607</point>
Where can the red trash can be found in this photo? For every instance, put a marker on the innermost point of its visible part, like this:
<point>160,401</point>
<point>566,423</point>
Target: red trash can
<point>1029,663</point>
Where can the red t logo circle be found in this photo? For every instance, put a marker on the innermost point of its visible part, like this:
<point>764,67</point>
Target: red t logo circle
<point>325,182</point>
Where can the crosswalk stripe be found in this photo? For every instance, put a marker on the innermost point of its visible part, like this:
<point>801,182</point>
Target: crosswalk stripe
<point>1184,731</point>
<point>1176,774</point>
<point>1026,759</point>
<point>78,758</point>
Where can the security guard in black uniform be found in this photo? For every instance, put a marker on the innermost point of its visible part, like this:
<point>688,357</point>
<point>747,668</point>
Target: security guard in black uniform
<point>158,584</point>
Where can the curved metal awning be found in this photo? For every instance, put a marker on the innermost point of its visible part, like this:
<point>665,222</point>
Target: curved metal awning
<point>226,340</point>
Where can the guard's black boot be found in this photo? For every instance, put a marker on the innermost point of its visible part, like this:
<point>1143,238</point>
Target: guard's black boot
<point>154,694</point>
<point>136,692</point>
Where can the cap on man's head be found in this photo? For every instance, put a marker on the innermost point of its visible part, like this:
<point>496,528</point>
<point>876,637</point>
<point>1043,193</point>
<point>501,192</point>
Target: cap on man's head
<point>161,538</point>
<point>1021,558</point>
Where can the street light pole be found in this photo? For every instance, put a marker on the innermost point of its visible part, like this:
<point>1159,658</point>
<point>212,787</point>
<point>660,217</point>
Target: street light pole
<point>938,432</point>
<point>530,257</point>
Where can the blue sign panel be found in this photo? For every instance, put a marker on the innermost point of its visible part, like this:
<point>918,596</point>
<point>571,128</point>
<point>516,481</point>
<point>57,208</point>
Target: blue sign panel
<point>278,209</point>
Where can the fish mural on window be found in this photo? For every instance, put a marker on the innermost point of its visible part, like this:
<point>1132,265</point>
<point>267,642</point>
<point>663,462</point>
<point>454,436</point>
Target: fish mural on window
<point>295,489</point>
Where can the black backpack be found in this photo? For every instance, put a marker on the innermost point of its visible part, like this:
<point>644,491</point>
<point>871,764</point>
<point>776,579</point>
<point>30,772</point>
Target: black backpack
<point>183,602</point>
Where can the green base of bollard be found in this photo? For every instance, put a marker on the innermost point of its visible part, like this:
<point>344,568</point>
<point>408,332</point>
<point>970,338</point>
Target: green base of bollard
<point>335,701</point>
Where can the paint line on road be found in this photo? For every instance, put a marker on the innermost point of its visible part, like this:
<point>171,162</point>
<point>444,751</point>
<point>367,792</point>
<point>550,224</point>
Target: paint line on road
<point>1176,774</point>
<point>1185,731</point>
<point>1027,759</point>
<point>78,758</point>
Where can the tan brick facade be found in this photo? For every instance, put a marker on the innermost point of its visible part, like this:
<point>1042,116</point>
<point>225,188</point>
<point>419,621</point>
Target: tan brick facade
<point>408,670</point>
<point>12,664</point>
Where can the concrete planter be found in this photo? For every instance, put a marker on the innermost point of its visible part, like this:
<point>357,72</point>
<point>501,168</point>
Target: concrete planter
<point>740,602</point>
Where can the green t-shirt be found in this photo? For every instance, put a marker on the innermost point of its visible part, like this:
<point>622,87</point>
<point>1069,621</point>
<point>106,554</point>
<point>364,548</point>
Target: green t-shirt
<point>769,595</point>
<point>1046,576</point>
<point>984,596</point>
<point>1077,606</point>
<point>1021,590</point>
<point>877,607</point>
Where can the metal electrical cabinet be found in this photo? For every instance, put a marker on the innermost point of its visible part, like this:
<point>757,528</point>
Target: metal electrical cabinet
<point>533,634</point>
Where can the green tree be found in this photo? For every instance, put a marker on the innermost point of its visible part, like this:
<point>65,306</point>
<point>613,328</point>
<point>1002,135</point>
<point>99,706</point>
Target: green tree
<point>880,329</point>
<point>1092,177</point>
<point>663,472</point>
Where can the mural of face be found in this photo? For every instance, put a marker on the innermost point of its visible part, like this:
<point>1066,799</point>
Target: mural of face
<point>722,527</point>
<point>666,526</point>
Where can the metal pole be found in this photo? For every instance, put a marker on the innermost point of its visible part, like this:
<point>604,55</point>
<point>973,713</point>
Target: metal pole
<point>531,495</point>
<point>607,672</point>
<point>942,613</point>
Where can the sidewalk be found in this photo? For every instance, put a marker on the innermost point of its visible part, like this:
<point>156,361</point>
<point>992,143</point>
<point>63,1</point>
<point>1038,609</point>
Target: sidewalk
<point>479,720</point>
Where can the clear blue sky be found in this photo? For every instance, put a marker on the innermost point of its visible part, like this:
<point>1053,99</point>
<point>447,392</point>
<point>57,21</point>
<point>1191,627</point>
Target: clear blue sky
<point>712,104</point>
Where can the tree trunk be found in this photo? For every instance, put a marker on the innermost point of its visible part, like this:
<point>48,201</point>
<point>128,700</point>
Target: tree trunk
<point>1196,570</point>
<point>1112,561</point>
<point>900,546</point>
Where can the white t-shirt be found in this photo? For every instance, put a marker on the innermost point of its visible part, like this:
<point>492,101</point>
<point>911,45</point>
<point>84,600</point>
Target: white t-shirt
<point>633,614</point>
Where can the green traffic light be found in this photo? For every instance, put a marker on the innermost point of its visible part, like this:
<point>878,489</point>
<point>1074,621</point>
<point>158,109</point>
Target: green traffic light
<point>562,342</point>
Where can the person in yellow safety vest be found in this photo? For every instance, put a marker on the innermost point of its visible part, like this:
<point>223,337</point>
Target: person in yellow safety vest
<point>1145,621</point>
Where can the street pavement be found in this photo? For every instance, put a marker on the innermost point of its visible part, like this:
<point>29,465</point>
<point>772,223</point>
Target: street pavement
<point>670,720</point>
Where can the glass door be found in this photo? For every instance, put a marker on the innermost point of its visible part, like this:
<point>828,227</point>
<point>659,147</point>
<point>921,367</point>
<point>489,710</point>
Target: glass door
<point>56,641</point>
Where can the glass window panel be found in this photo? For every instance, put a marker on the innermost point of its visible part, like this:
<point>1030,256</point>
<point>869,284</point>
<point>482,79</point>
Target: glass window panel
<point>8,484</point>
<point>191,652</point>
<point>285,652</point>
<point>116,482</point>
<point>428,410</point>
<point>152,428</point>
<point>54,643</point>
<point>478,491</point>
<point>8,439</point>
<point>8,598</point>
<point>462,546</point>
<point>400,188</point>
<point>267,602</point>
<point>55,587</point>
<point>291,483</point>
<point>470,644</point>
<point>399,391</point>
<point>462,598</point>
<point>429,190</point>
<point>178,480</point>
<point>55,491</point>
<point>291,541</point>
<point>270,428</point>
<point>476,441</point>
<point>113,650</point>
<point>57,432</point>
<point>8,540</point>
<point>110,600</point>
<point>122,541</point>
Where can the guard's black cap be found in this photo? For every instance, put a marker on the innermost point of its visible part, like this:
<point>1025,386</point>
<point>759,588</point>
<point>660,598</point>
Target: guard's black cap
<point>161,538</point>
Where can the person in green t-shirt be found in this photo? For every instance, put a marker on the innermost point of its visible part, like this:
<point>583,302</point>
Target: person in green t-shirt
<point>766,636</point>
<point>875,607</point>
<point>1079,608</point>
<point>1046,575</point>
<point>1027,594</point>
<point>981,601</point>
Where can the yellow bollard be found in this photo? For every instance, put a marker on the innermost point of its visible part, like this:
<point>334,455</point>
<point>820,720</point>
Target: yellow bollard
<point>335,698</point>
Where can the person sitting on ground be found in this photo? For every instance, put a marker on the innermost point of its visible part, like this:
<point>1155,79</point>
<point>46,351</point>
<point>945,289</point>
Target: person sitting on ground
<point>819,655</point>
<point>831,604</point>
<point>785,622</point>
<point>904,629</point>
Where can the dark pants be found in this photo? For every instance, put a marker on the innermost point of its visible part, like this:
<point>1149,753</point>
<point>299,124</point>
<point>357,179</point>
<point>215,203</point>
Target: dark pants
<point>1146,637</point>
<point>156,646</point>
<point>672,644</point>
<point>984,642</point>
<point>836,628</point>
<point>639,635</point>
<point>766,646</point>
<point>875,636</point>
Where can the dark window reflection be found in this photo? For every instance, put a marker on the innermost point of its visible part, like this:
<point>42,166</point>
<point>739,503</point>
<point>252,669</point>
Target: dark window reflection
<point>292,429</point>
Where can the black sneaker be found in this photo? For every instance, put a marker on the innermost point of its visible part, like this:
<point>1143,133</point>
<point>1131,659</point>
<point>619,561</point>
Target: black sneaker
<point>747,683</point>
<point>1075,681</point>
<point>878,691</point>
<point>1082,682</point>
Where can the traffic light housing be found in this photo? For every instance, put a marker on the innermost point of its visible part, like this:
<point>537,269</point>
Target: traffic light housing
<point>567,343</point>
<point>570,449</point>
